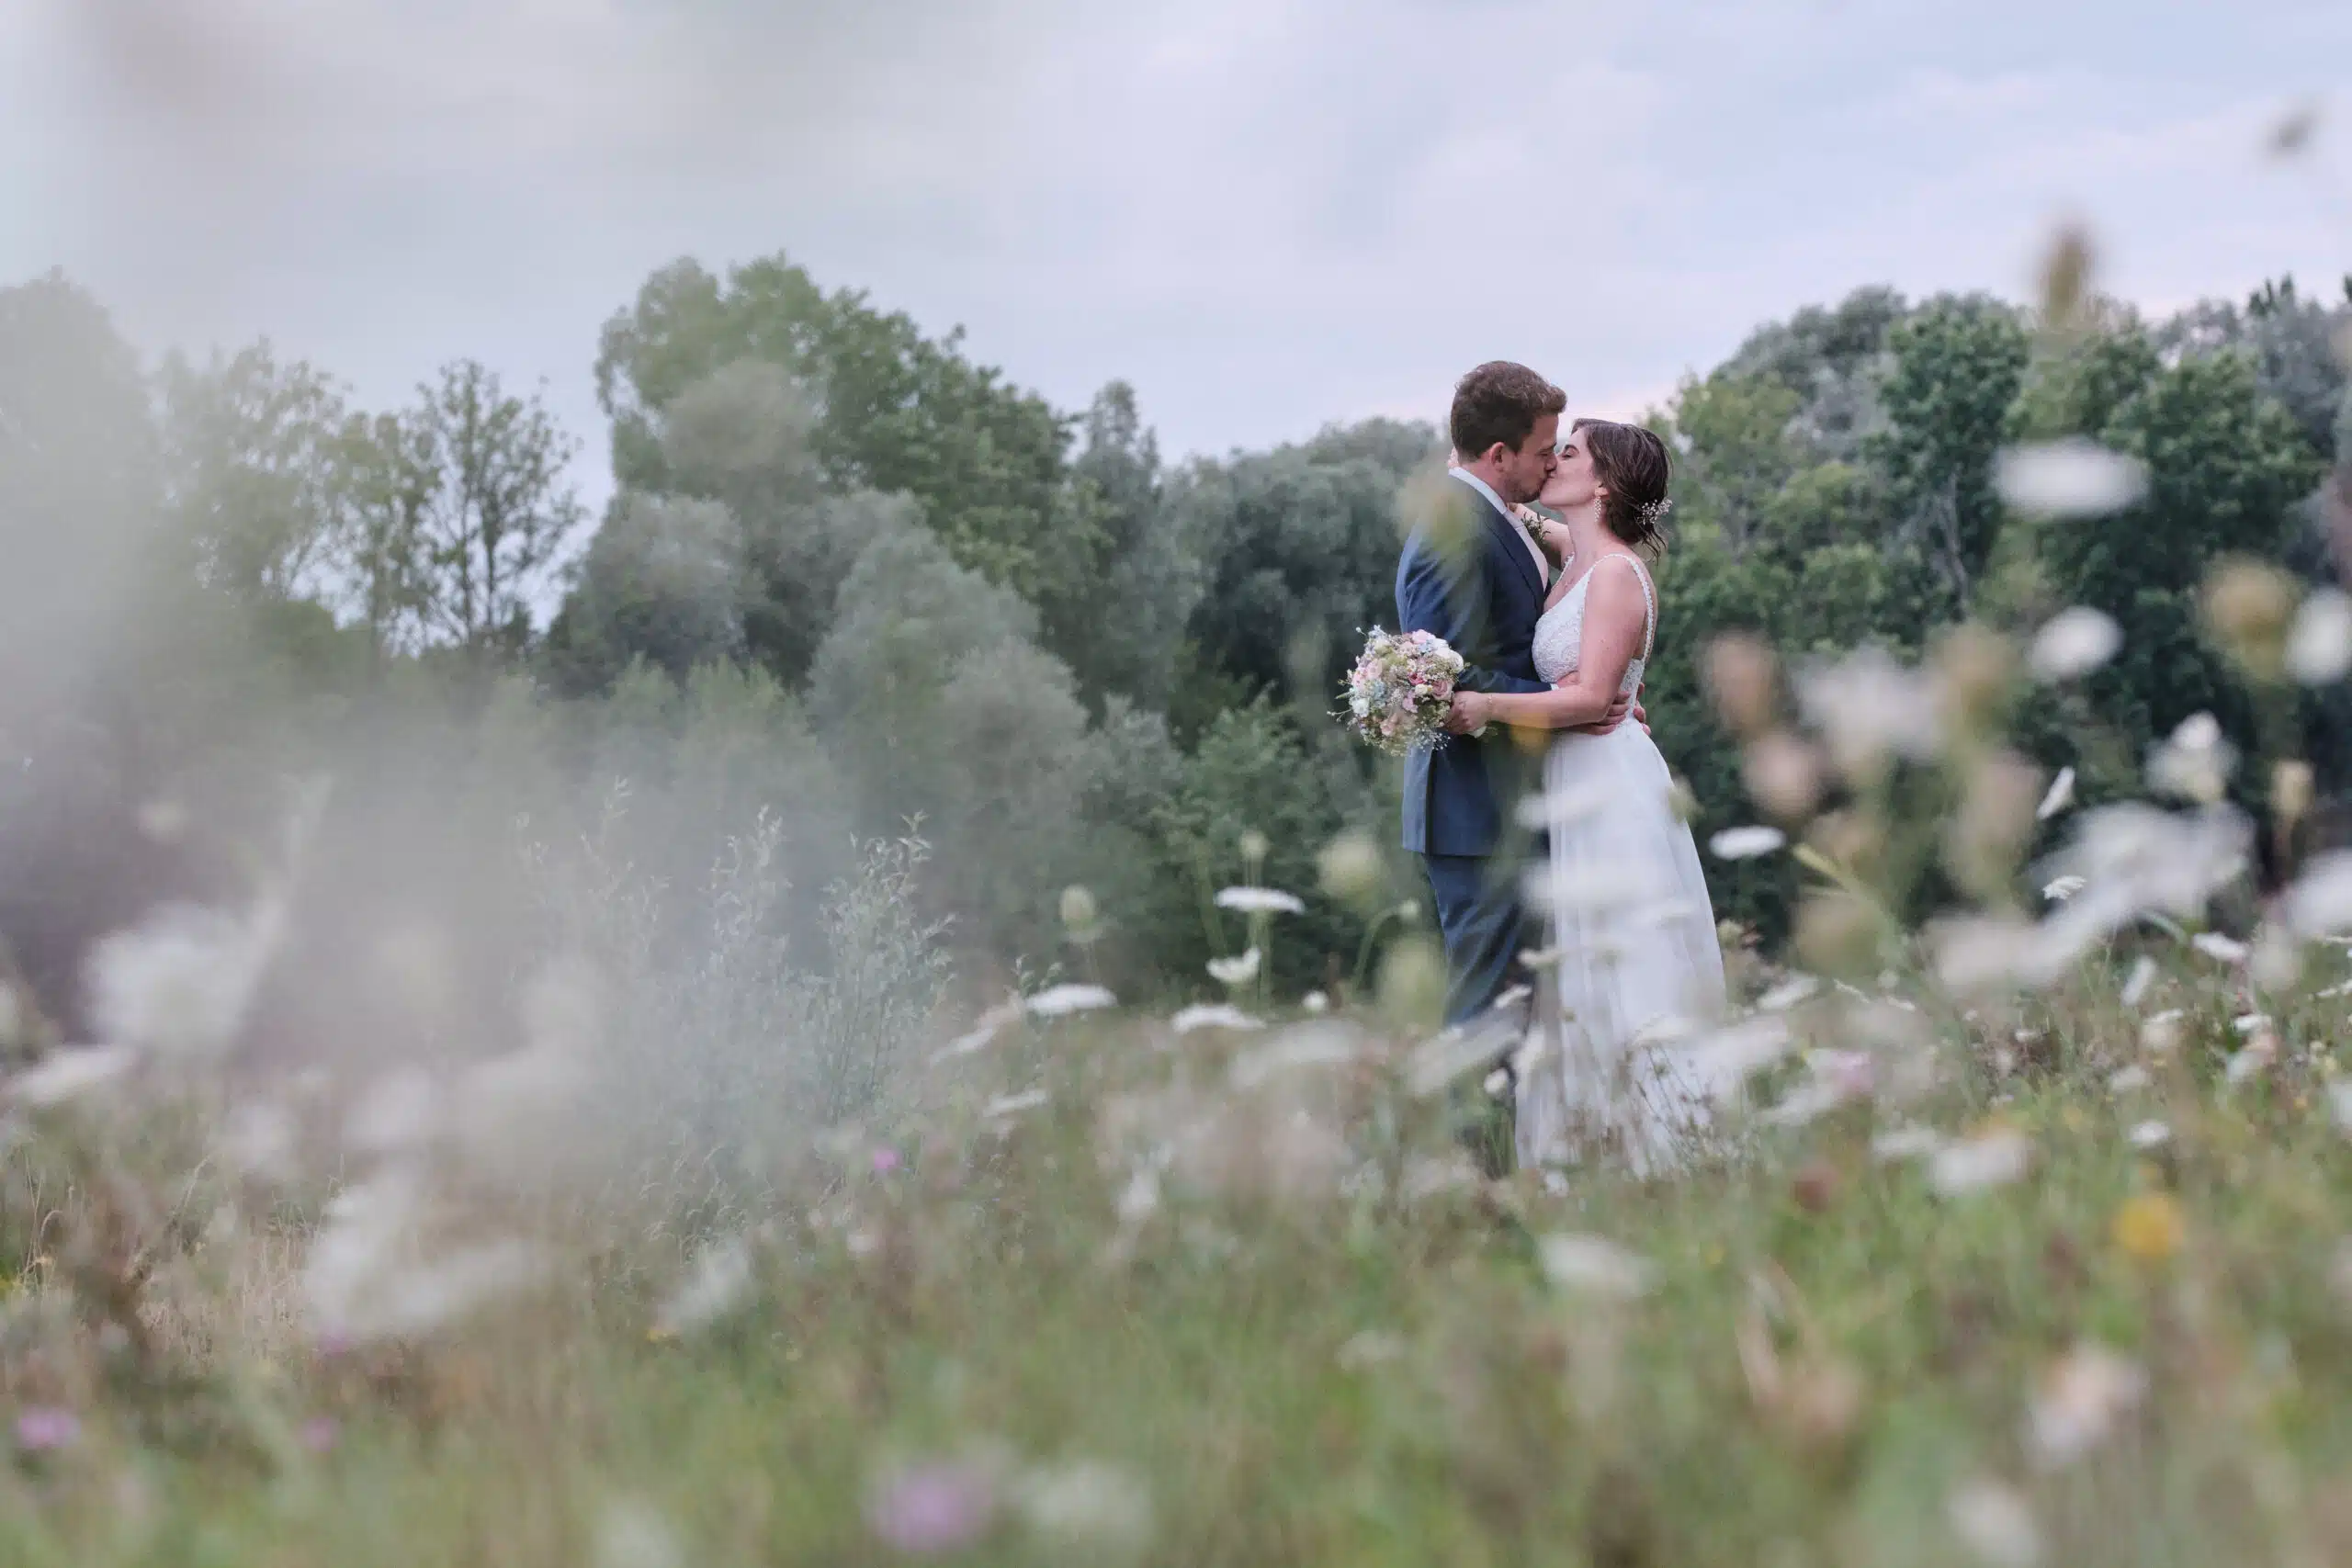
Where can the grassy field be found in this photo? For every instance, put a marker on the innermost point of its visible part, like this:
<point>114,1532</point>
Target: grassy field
<point>1116,1294</point>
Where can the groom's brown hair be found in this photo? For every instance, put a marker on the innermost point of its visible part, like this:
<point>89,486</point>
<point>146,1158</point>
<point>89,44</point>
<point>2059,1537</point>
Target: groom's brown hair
<point>1499,401</point>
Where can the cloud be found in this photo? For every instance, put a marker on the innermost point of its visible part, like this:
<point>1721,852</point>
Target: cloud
<point>1266,213</point>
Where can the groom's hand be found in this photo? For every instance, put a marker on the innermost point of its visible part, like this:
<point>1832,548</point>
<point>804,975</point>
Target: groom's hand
<point>1609,720</point>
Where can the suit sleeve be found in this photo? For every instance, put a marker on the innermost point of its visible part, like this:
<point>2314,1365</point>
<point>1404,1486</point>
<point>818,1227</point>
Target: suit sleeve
<point>1450,599</point>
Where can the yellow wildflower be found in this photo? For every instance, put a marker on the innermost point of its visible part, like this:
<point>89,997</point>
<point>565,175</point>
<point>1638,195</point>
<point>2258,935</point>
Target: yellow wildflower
<point>2149,1227</point>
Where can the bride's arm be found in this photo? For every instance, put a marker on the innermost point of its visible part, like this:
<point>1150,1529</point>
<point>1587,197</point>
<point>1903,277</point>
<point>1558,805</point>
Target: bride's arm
<point>1616,615</point>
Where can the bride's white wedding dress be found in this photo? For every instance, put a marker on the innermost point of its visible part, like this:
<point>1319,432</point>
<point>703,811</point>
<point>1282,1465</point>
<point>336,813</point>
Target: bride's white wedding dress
<point>1631,931</point>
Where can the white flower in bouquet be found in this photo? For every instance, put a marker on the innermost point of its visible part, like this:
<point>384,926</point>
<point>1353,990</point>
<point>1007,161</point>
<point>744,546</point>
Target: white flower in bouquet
<point>1401,691</point>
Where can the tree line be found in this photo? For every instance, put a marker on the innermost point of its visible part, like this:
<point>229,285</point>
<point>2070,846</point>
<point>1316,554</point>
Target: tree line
<point>852,577</point>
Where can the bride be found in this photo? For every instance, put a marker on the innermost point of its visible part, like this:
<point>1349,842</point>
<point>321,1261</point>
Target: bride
<point>1633,934</point>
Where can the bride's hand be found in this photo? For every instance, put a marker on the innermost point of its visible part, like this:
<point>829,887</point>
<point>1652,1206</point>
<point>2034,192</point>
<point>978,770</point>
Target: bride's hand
<point>1469,713</point>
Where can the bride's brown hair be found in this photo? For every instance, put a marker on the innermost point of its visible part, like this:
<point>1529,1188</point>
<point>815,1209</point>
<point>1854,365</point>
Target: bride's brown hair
<point>1633,463</point>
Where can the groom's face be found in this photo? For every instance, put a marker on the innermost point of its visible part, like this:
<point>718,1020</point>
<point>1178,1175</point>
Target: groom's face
<point>1525,470</point>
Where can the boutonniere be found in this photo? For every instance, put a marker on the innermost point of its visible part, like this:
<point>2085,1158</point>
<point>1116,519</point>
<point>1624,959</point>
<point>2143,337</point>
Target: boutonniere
<point>1530,521</point>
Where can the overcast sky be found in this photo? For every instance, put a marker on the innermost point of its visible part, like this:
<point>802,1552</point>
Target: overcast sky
<point>1266,214</point>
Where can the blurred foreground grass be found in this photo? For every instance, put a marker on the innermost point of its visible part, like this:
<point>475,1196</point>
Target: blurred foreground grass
<point>1229,1298</point>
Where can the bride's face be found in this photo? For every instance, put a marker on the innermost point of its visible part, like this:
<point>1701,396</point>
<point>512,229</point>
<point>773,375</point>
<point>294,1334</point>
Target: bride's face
<point>1573,482</point>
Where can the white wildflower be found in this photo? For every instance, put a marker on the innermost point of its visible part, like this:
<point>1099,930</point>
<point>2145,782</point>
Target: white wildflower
<point>70,1073</point>
<point>1556,810</point>
<point>1005,1106</point>
<point>446,1288</point>
<point>1304,1047</point>
<point>2246,1023</point>
<point>2079,1400</point>
<point>1260,901</point>
<point>631,1533</point>
<point>2074,643</point>
<point>1371,1347</point>
<point>1087,1504</point>
<point>2160,1035</point>
<point>1989,1159</point>
<point>1595,1266</point>
<point>1868,705</point>
<point>518,1111</point>
<point>2195,763</point>
<point>1060,1002</point>
<point>180,983</point>
<point>1788,994</point>
<point>1437,1063</point>
<point>2136,857</point>
<point>1427,1177</point>
<point>719,1283</point>
<point>2135,987</point>
<point>1994,1522</point>
<point>1730,1055</point>
<point>1352,867</point>
<point>2129,1080</point>
<point>1239,971</point>
<point>2320,903</point>
<point>2150,1134</point>
<point>2319,648</point>
<point>2064,888</point>
<point>2060,797</point>
<point>1980,953</point>
<point>258,1140</point>
<point>2339,1104</point>
<point>2073,478</point>
<point>2220,949</point>
<point>1899,1143</point>
<point>1315,1003</point>
<point>1218,1015</point>
<point>403,1110</point>
<point>1746,843</point>
<point>1140,1199</point>
<point>983,1032</point>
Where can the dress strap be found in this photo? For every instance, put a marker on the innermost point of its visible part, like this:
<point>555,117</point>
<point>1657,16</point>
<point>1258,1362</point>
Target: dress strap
<point>1649,598</point>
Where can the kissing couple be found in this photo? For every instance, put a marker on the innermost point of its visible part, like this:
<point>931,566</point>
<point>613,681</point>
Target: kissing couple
<point>1578,935</point>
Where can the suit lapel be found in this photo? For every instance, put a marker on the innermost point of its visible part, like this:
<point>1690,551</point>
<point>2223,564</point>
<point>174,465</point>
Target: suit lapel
<point>1513,546</point>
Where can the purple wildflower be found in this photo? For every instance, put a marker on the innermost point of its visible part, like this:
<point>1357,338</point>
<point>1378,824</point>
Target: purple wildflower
<point>45,1428</point>
<point>927,1509</point>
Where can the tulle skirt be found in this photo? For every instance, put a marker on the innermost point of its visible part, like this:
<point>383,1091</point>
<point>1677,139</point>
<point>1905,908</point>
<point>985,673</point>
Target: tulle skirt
<point>1633,954</point>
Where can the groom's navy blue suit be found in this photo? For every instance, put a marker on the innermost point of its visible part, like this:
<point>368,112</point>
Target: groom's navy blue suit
<point>1468,576</point>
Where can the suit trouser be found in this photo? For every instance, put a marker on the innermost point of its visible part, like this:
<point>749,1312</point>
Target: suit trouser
<point>1481,917</point>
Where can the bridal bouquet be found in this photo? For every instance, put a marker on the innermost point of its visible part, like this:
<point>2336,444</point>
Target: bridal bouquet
<point>1401,691</point>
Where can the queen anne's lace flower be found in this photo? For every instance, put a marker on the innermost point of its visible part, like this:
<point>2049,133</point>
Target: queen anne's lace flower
<point>1260,901</point>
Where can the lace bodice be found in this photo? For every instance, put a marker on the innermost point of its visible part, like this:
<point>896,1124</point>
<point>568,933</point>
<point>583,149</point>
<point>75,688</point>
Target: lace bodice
<point>1559,636</point>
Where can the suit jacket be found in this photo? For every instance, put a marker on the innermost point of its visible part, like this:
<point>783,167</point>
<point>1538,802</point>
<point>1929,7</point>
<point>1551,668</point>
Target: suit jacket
<point>1467,577</point>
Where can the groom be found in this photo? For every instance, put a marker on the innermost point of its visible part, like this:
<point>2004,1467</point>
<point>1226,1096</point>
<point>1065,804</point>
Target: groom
<point>1471,575</point>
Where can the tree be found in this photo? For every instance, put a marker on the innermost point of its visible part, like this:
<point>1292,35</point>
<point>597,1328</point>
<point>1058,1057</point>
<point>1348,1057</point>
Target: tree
<point>895,410</point>
<point>498,510</point>
<point>1301,550</point>
<point>254,470</point>
<point>1738,455</point>
<point>1833,359</point>
<point>1957,364</point>
<point>2227,469</point>
<point>79,484</point>
<point>1121,628</point>
<point>661,582</point>
<point>2291,340</point>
